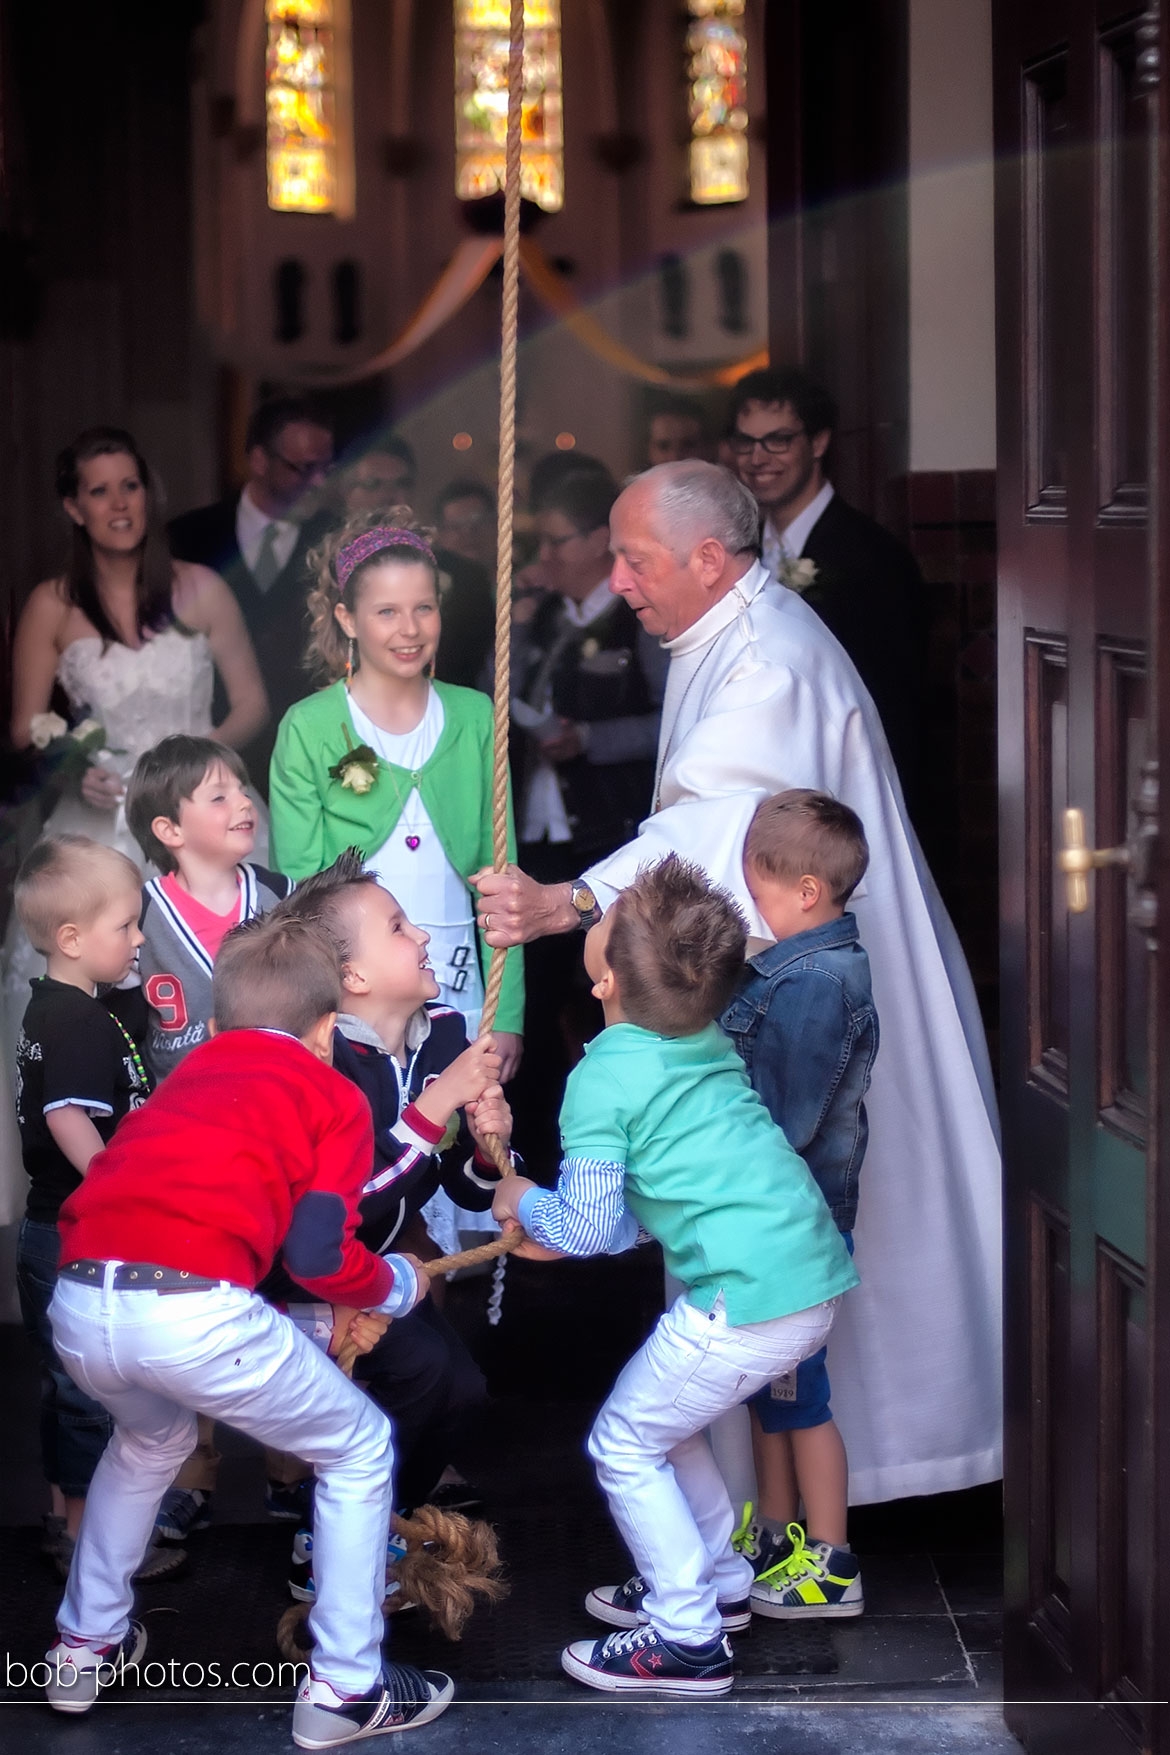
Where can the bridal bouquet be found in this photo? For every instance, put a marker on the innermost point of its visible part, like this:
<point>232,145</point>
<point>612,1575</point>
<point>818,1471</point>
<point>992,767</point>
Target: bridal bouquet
<point>72,748</point>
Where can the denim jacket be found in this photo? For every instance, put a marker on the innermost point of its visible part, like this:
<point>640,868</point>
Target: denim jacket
<point>805,1025</point>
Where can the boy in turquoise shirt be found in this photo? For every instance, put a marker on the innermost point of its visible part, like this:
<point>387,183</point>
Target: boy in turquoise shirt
<point>663,1135</point>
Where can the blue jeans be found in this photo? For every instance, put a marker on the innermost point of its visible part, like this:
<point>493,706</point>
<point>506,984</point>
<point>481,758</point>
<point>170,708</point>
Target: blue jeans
<point>74,1428</point>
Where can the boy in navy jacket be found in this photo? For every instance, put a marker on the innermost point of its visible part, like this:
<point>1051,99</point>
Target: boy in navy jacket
<point>433,1098</point>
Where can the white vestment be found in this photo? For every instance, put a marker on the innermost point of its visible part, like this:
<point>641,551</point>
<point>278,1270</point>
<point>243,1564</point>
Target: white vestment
<point>761,697</point>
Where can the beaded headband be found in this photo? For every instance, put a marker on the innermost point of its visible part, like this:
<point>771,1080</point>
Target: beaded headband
<point>371,543</point>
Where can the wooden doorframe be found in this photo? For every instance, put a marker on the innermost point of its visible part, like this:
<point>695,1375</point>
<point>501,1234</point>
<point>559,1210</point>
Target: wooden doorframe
<point>1156,55</point>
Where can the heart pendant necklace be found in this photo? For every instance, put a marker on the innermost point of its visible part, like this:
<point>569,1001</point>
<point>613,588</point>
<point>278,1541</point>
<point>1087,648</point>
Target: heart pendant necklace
<point>413,839</point>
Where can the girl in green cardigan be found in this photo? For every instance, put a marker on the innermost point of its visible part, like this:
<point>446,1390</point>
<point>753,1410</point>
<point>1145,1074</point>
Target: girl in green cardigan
<point>387,760</point>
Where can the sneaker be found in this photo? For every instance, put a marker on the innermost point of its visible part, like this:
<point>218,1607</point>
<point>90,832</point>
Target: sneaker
<point>456,1495</point>
<point>183,1511</point>
<point>157,1562</point>
<point>52,1529</point>
<point>290,1504</point>
<point>78,1673</point>
<point>758,1545</point>
<point>300,1577</point>
<point>816,1582</point>
<point>161,1561</point>
<point>640,1661</point>
<point>620,1605</point>
<point>402,1699</point>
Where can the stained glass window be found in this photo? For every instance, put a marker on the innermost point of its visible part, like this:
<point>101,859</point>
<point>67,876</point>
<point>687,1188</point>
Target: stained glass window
<point>481,101</point>
<point>717,90</point>
<point>306,172</point>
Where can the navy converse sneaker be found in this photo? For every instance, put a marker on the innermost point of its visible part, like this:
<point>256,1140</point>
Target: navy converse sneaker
<point>401,1700</point>
<point>78,1673</point>
<point>642,1662</point>
<point>620,1605</point>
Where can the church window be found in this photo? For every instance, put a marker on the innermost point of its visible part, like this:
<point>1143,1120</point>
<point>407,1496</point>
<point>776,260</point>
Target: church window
<point>307,119</point>
<point>481,101</point>
<point>716,50</point>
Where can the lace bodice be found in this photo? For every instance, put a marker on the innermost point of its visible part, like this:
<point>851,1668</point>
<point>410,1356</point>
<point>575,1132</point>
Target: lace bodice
<point>141,694</point>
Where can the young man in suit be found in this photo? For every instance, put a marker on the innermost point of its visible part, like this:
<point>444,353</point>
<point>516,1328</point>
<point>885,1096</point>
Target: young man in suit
<point>259,541</point>
<point>862,582</point>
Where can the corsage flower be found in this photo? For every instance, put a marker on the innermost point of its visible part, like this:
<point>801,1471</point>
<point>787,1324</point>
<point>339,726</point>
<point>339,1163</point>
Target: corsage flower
<point>357,769</point>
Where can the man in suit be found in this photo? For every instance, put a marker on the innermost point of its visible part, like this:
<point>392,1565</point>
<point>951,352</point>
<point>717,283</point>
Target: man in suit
<point>259,541</point>
<point>862,582</point>
<point>386,474</point>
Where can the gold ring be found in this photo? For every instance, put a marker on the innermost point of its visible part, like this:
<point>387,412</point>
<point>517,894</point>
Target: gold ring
<point>487,922</point>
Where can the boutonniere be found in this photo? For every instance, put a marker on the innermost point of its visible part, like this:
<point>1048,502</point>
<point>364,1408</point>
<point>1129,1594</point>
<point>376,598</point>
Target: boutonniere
<point>358,768</point>
<point>590,647</point>
<point>797,572</point>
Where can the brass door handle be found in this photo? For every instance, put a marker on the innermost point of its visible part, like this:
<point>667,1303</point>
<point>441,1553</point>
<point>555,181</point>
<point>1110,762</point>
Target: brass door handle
<point>1076,860</point>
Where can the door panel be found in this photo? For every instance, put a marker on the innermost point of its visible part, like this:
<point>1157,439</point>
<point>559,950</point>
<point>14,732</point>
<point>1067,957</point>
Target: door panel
<point>1075,95</point>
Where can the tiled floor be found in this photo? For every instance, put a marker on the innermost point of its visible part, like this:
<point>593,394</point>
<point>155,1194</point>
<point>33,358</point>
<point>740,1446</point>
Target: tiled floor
<point>917,1675</point>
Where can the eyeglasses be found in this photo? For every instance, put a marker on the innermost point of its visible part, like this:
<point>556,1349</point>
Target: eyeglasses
<point>302,471</point>
<point>777,444</point>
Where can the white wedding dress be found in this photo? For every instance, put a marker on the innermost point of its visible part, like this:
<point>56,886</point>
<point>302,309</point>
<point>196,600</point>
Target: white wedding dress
<point>139,695</point>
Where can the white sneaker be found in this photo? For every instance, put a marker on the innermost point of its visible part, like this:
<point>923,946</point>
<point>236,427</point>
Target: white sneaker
<point>80,1672</point>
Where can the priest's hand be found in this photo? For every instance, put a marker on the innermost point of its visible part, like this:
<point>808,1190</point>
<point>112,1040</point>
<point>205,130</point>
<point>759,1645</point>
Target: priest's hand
<point>513,908</point>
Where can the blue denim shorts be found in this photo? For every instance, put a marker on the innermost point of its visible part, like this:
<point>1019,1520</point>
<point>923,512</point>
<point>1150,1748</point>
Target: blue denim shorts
<point>800,1400</point>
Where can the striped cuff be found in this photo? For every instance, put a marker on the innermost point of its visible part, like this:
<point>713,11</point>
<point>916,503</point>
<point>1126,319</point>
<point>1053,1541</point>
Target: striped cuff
<point>413,1128</point>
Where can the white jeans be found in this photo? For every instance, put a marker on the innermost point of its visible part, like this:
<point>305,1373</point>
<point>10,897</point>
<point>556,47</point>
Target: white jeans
<point>151,1360</point>
<point>654,1460</point>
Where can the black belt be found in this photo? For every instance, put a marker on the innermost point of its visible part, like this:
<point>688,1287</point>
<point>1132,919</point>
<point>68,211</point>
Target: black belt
<point>138,1276</point>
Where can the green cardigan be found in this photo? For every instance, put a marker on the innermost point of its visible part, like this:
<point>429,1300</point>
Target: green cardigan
<point>315,818</point>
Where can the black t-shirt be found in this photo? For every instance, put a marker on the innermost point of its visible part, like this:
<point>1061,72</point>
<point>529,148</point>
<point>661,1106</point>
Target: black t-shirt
<point>69,1051</point>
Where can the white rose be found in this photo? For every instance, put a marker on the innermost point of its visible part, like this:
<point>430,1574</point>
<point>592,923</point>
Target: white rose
<point>801,573</point>
<point>85,729</point>
<point>357,779</point>
<point>44,727</point>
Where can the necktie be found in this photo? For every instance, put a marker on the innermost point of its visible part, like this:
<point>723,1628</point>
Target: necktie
<point>267,567</point>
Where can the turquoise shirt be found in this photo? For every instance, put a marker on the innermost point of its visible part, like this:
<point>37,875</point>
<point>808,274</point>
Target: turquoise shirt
<point>708,1172</point>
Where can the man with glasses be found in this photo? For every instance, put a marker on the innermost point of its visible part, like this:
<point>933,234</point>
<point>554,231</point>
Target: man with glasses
<point>259,541</point>
<point>862,582</point>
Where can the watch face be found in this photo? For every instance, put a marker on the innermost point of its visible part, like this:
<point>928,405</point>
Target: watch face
<point>584,901</point>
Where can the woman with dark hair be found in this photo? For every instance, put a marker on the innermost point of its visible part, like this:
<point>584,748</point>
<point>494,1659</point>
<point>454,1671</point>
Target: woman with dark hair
<point>132,636</point>
<point>133,639</point>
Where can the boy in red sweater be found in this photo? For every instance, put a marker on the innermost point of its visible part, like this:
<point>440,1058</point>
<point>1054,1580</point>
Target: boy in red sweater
<point>253,1144</point>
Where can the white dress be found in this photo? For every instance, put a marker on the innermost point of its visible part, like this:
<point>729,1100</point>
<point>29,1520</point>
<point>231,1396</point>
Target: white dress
<point>411,864</point>
<point>140,695</point>
<point>761,697</point>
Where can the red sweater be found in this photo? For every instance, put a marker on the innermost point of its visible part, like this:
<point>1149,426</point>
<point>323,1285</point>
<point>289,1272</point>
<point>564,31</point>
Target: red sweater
<point>251,1145</point>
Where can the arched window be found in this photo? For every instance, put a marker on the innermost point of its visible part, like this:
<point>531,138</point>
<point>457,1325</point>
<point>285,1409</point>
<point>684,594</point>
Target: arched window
<point>717,94</point>
<point>307,107</point>
<point>481,101</point>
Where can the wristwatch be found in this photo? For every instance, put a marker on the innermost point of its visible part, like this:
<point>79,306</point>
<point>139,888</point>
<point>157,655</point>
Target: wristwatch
<point>585,902</point>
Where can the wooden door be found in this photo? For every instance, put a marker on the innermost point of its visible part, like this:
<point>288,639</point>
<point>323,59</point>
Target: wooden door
<point>1083,403</point>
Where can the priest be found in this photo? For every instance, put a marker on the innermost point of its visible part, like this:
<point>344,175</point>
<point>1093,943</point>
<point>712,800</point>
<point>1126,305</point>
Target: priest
<point>761,697</point>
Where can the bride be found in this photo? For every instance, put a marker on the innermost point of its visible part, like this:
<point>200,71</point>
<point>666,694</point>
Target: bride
<point>134,639</point>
